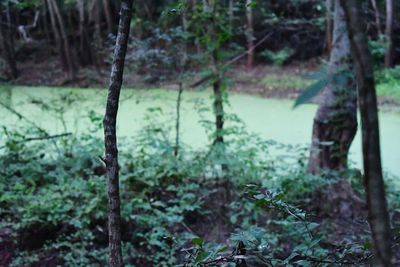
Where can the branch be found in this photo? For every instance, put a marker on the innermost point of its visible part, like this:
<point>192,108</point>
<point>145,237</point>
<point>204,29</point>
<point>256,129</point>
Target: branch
<point>230,62</point>
<point>47,137</point>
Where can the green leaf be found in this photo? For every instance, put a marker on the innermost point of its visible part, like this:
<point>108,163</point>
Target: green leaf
<point>310,92</point>
<point>252,4</point>
<point>197,241</point>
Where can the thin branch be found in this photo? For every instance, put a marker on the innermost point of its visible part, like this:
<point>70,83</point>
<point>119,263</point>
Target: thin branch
<point>230,62</point>
<point>47,137</point>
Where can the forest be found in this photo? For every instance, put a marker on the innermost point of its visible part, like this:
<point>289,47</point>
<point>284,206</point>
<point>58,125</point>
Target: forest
<point>196,133</point>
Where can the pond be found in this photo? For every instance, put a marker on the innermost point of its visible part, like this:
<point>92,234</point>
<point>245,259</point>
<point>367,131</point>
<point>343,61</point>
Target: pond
<point>272,119</point>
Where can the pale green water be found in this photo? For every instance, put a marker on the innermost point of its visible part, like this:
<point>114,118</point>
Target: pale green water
<point>270,118</point>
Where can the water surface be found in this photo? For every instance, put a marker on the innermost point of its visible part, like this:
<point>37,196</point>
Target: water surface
<point>270,118</point>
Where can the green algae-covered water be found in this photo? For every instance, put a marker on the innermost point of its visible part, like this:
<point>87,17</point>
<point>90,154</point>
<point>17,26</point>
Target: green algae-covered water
<point>61,109</point>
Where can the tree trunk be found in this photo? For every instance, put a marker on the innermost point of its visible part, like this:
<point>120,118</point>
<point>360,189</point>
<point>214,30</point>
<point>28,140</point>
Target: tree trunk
<point>57,37</point>
<point>389,33</point>
<point>250,34</point>
<point>65,42</point>
<point>97,21</point>
<point>335,123</point>
<point>231,12</point>
<point>218,104</point>
<point>330,9</point>
<point>178,120</point>
<point>373,180</point>
<point>110,136</point>
<point>8,47</point>
<point>107,13</point>
<point>85,54</point>
<point>377,17</point>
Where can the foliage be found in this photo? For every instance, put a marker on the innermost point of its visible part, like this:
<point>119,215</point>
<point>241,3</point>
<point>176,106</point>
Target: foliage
<point>388,82</point>
<point>278,57</point>
<point>168,202</point>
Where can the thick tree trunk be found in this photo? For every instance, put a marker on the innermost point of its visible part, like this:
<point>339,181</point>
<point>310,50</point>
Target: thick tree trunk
<point>389,33</point>
<point>373,180</point>
<point>110,135</point>
<point>7,43</point>
<point>335,123</point>
<point>250,34</point>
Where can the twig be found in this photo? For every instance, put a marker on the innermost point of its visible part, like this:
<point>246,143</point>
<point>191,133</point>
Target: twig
<point>230,62</point>
<point>21,116</point>
<point>47,137</point>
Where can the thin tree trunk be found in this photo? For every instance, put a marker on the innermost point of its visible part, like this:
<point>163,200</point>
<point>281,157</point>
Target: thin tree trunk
<point>389,33</point>
<point>377,17</point>
<point>335,123</point>
<point>231,12</point>
<point>64,37</point>
<point>97,19</point>
<point>107,13</point>
<point>8,47</point>
<point>110,135</point>
<point>178,119</point>
<point>57,37</point>
<point>250,34</point>
<point>373,180</point>
<point>330,9</point>
<point>210,6</point>
<point>85,51</point>
<point>46,24</point>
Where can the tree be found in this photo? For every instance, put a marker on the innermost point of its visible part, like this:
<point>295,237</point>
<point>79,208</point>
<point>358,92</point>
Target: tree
<point>8,40</point>
<point>389,33</point>
<point>61,37</point>
<point>85,50</point>
<point>110,137</point>
<point>250,33</point>
<point>329,24</point>
<point>335,123</point>
<point>107,13</point>
<point>373,180</point>
<point>377,17</point>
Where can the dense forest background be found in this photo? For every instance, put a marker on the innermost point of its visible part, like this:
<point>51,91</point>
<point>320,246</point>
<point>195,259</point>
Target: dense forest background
<point>41,39</point>
<point>203,189</point>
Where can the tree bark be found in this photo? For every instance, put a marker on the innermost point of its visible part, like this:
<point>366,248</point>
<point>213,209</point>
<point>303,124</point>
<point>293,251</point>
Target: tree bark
<point>8,47</point>
<point>64,38</point>
<point>250,34</point>
<point>389,33</point>
<point>231,12</point>
<point>107,13</point>
<point>218,104</point>
<point>335,123</point>
<point>377,17</point>
<point>373,180</point>
<point>85,53</point>
<point>330,7</point>
<point>57,38</point>
<point>110,136</point>
<point>178,120</point>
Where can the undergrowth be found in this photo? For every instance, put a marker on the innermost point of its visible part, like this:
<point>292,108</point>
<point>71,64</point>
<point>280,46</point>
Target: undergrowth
<point>218,206</point>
